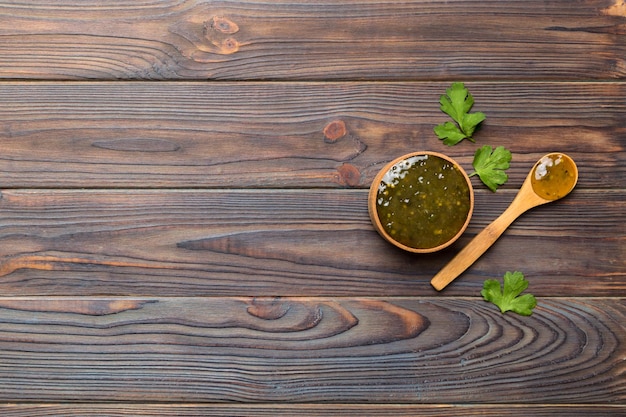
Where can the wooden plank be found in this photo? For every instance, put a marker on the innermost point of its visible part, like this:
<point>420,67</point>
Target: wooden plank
<point>146,228</point>
<point>310,410</point>
<point>347,350</point>
<point>272,134</point>
<point>287,242</point>
<point>252,40</point>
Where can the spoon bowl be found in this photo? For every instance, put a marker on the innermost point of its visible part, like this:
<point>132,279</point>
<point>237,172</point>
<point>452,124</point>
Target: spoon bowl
<point>553,177</point>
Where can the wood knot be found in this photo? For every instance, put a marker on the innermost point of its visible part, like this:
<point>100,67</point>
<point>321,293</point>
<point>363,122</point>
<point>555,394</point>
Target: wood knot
<point>348,174</point>
<point>223,25</point>
<point>617,9</point>
<point>217,31</point>
<point>268,309</point>
<point>334,131</point>
<point>229,46</point>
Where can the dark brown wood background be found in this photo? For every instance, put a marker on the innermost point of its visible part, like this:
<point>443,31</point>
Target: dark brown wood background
<point>183,211</point>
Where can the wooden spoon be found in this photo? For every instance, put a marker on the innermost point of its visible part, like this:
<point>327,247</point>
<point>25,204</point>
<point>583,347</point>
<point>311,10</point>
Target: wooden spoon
<point>552,178</point>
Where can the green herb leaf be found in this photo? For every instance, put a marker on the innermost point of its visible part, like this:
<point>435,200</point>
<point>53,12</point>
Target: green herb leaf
<point>456,103</point>
<point>450,133</point>
<point>510,299</point>
<point>490,165</point>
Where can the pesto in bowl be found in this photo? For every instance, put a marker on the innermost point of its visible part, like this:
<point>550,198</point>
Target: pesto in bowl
<point>421,202</point>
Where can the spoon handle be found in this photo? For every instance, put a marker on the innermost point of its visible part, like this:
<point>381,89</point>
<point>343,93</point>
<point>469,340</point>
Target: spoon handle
<point>477,246</point>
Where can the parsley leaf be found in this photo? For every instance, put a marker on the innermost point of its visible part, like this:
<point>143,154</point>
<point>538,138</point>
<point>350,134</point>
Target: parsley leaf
<point>510,298</point>
<point>456,103</point>
<point>490,165</point>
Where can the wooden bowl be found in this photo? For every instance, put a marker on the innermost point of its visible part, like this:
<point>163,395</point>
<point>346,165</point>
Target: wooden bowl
<point>421,202</point>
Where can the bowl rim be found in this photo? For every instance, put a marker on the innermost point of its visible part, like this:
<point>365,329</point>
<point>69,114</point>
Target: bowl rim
<point>373,211</point>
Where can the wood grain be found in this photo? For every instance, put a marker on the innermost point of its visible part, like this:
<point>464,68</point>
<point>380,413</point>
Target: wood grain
<point>312,410</point>
<point>418,350</point>
<point>287,242</point>
<point>272,135</point>
<point>184,247</point>
<point>252,40</point>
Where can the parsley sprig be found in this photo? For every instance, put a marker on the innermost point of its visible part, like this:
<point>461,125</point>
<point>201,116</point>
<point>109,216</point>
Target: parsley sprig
<point>456,103</point>
<point>509,298</point>
<point>489,164</point>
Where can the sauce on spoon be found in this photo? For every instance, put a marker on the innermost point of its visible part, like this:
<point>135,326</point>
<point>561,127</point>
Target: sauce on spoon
<point>554,176</point>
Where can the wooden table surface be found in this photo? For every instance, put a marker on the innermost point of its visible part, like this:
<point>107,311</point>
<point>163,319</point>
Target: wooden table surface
<point>183,212</point>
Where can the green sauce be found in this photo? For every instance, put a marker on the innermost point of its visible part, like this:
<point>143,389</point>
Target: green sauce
<point>423,201</point>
